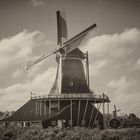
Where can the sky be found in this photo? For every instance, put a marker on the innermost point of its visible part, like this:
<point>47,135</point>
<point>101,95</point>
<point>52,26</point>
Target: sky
<point>28,30</point>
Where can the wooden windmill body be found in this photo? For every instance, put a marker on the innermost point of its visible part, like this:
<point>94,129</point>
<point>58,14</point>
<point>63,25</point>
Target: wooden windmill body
<point>70,101</point>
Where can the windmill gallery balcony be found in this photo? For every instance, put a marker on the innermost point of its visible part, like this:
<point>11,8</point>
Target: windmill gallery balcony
<point>83,96</point>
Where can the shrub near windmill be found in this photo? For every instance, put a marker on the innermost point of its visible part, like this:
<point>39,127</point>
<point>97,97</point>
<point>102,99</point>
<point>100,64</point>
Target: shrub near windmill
<point>70,101</point>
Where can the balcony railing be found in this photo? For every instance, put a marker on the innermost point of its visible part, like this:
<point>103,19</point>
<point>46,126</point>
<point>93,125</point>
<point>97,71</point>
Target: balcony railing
<point>72,96</point>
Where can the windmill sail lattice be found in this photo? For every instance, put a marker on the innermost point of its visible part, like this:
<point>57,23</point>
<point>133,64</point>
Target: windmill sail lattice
<point>61,27</point>
<point>67,47</point>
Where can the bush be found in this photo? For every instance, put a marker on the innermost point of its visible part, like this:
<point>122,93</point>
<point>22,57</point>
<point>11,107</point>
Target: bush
<point>76,133</point>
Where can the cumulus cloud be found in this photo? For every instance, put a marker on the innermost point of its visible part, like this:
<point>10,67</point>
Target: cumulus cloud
<point>115,61</point>
<point>117,51</point>
<point>14,96</point>
<point>122,95</point>
<point>43,82</point>
<point>95,68</point>
<point>137,64</point>
<point>116,45</point>
<point>120,85</point>
<point>14,51</point>
<point>110,55</point>
<point>16,74</point>
<point>17,48</point>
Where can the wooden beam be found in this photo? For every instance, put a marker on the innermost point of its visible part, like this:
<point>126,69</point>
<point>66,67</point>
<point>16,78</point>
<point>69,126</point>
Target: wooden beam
<point>96,115</point>
<point>78,112</point>
<point>108,109</point>
<point>45,108</point>
<point>58,104</point>
<point>91,116</point>
<point>71,112</point>
<point>103,111</point>
<point>40,107</point>
<point>36,108</point>
<point>49,107</point>
<point>85,111</point>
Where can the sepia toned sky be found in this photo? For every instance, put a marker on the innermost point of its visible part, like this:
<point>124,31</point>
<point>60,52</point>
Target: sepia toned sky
<point>28,30</point>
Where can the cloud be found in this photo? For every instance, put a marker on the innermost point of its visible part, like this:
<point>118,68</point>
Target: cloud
<point>120,85</point>
<point>116,57</point>
<point>43,82</point>
<point>113,55</point>
<point>123,96</point>
<point>14,51</point>
<point>115,45</point>
<point>16,74</point>
<point>17,48</point>
<point>38,2</point>
<point>16,95</point>
<point>95,68</point>
<point>110,58</point>
<point>136,65</point>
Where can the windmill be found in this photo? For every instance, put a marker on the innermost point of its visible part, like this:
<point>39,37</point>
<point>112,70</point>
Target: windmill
<point>70,100</point>
<point>68,55</point>
<point>115,122</point>
<point>115,111</point>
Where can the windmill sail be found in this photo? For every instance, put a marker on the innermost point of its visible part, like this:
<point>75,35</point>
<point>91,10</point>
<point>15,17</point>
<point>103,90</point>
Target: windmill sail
<point>72,45</point>
<point>38,60</point>
<point>61,27</point>
<point>66,47</point>
<point>75,41</point>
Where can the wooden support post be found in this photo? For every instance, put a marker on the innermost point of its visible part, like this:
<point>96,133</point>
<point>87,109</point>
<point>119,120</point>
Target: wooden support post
<point>103,111</point>
<point>71,112</point>
<point>78,112</point>
<point>85,110</point>
<point>40,108</point>
<point>44,108</point>
<point>36,108</point>
<point>49,107</point>
<point>58,104</point>
<point>108,109</point>
<point>91,116</point>
<point>96,115</point>
<point>92,112</point>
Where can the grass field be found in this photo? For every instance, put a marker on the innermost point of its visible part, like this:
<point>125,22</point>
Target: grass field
<point>77,133</point>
